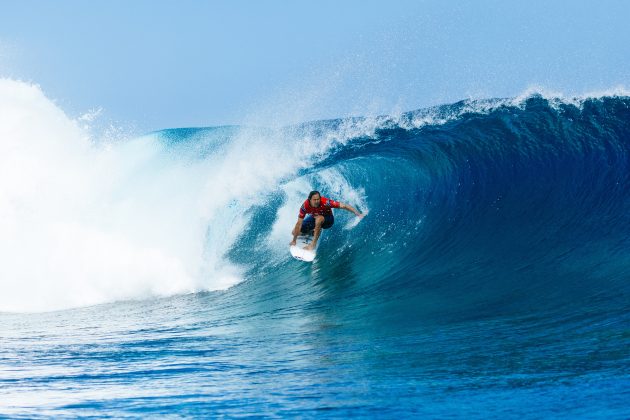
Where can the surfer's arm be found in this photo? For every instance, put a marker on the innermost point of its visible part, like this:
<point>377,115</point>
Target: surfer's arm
<point>297,229</point>
<point>350,208</point>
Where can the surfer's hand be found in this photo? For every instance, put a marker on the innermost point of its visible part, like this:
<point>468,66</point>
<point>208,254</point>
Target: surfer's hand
<point>361,215</point>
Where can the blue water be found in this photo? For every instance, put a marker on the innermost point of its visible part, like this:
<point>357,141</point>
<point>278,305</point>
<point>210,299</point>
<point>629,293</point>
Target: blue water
<point>490,278</point>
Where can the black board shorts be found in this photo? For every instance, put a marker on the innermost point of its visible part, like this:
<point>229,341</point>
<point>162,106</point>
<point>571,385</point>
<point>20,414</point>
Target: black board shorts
<point>309,222</point>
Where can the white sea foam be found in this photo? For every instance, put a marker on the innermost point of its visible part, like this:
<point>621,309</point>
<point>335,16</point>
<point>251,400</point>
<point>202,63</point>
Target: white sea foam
<point>82,222</point>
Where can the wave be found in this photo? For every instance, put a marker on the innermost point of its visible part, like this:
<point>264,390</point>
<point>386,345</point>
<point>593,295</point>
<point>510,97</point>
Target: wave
<point>478,207</point>
<point>481,208</point>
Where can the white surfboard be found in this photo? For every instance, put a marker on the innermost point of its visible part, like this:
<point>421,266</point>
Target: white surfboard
<point>298,250</point>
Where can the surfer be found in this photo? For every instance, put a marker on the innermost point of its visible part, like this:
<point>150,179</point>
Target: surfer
<point>316,214</point>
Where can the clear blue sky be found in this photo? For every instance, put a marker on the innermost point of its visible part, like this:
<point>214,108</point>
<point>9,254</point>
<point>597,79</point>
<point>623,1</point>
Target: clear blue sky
<point>162,64</point>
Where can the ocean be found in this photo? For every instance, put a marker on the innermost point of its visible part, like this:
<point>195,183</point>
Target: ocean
<point>150,275</point>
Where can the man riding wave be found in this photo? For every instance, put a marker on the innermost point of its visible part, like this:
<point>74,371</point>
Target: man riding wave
<point>316,214</point>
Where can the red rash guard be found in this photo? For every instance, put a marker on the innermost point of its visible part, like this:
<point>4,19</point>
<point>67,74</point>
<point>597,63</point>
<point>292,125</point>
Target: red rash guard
<point>325,208</point>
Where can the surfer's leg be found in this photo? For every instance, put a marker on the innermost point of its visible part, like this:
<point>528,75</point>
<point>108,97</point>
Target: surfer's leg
<point>308,224</point>
<point>329,220</point>
<point>319,220</point>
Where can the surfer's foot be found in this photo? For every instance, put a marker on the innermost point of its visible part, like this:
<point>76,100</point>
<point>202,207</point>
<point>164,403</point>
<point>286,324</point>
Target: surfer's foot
<point>308,247</point>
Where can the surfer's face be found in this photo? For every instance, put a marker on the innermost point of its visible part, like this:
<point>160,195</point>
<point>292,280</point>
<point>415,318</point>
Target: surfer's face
<point>315,200</point>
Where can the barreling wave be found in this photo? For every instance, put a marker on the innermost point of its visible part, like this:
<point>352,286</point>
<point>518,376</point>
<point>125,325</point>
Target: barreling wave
<point>474,208</point>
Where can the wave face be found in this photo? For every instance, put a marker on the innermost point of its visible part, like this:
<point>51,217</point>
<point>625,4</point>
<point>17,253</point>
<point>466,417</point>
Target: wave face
<point>475,209</point>
<point>489,276</point>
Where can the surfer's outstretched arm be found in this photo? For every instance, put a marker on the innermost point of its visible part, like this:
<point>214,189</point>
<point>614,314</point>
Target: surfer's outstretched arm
<point>297,229</point>
<point>352,209</point>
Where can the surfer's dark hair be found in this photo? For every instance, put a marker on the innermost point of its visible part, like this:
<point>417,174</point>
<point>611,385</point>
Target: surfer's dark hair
<point>312,193</point>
